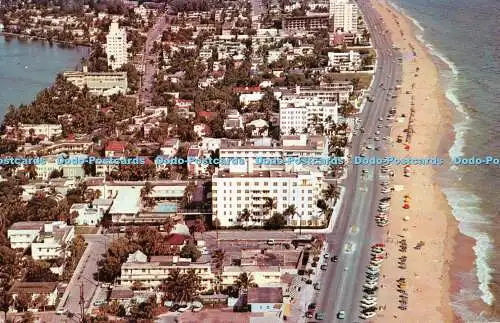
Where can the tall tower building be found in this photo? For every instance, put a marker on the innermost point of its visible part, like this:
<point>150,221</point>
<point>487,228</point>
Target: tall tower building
<point>116,46</point>
<point>345,15</point>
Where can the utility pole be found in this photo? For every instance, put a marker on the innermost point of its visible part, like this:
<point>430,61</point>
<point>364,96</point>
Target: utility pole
<point>82,304</point>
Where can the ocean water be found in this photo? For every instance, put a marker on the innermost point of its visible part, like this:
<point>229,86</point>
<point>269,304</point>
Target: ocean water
<point>464,38</point>
<point>26,67</point>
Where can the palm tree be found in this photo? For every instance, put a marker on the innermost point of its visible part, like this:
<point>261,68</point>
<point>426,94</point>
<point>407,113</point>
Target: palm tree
<point>244,215</point>
<point>218,257</point>
<point>245,281</point>
<point>290,211</point>
<point>269,205</point>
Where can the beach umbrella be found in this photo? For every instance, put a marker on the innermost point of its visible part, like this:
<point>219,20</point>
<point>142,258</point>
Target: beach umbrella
<point>406,206</point>
<point>406,218</point>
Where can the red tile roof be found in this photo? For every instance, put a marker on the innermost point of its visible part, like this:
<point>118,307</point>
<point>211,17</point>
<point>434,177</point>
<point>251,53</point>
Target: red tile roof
<point>176,239</point>
<point>116,146</point>
<point>246,89</point>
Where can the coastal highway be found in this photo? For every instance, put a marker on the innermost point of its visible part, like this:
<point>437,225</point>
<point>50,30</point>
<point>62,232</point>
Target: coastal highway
<point>341,285</point>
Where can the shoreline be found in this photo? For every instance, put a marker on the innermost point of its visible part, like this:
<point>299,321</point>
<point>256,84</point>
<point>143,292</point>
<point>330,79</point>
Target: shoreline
<point>43,39</point>
<point>432,215</point>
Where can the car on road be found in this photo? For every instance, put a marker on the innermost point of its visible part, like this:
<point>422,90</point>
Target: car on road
<point>320,316</point>
<point>380,119</point>
<point>317,286</point>
<point>341,315</point>
<point>61,311</point>
<point>311,306</point>
<point>335,259</point>
<point>326,256</point>
<point>100,302</point>
<point>367,315</point>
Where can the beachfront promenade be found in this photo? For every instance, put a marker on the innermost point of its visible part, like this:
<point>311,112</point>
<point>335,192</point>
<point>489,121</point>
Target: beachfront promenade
<point>341,285</point>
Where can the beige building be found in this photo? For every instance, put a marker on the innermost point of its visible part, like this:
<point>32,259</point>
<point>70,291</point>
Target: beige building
<point>99,83</point>
<point>153,272</point>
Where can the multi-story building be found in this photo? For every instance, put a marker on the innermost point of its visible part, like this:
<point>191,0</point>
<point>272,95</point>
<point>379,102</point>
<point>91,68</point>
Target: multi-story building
<point>243,156</point>
<point>336,91</point>
<point>44,129</point>
<point>116,46</point>
<point>52,242</point>
<point>263,276</point>
<point>151,273</point>
<point>345,15</point>
<point>345,61</point>
<point>232,193</point>
<point>22,234</point>
<point>306,23</point>
<point>99,83</point>
<point>298,115</point>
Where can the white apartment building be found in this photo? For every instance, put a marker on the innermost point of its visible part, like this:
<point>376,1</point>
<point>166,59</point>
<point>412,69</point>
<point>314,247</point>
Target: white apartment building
<point>290,146</point>
<point>44,129</point>
<point>345,61</point>
<point>22,234</point>
<point>345,15</point>
<point>99,83</point>
<point>234,192</point>
<point>116,46</point>
<point>71,170</point>
<point>303,115</point>
<point>263,276</point>
<point>152,273</point>
<point>53,241</point>
<point>336,91</point>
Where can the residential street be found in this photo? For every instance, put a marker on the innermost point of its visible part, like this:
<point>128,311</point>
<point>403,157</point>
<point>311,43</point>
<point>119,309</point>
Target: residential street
<point>84,276</point>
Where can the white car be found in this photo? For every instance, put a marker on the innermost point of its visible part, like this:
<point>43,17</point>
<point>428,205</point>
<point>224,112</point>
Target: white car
<point>368,305</point>
<point>367,315</point>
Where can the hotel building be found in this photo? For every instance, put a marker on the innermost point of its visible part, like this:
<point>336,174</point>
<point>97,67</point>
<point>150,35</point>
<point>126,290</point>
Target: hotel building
<point>234,192</point>
<point>345,15</point>
<point>304,114</point>
<point>116,46</point>
<point>99,83</point>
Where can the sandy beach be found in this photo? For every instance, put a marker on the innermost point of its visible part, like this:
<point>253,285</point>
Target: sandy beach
<point>429,216</point>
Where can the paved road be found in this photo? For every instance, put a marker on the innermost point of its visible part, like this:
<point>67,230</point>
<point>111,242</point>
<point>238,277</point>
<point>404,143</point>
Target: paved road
<point>154,34</point>
<point>341,285</point>
<point>84,276</point>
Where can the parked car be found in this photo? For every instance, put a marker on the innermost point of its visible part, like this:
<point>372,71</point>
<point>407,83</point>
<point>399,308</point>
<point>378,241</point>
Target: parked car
<point>335,259</point>
<point>341,315</point>
<point>320,316</point>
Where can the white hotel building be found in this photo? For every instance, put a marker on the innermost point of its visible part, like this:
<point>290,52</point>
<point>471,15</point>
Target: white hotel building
<point>234,192</point>
<point>289,146</point>
<point>298,115</point>
<point>345,15</point>
<point>345,61</point>
<point>116,46</point>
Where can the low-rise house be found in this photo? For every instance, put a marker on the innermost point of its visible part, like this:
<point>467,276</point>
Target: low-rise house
<point>53,241</point>
<point>40,294</point>
<point>266,300</point>
<point>234,120</point>
<point>259,127</point>
<point>170,147</point>
<point>87,214</point>
<point>115,148</point>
